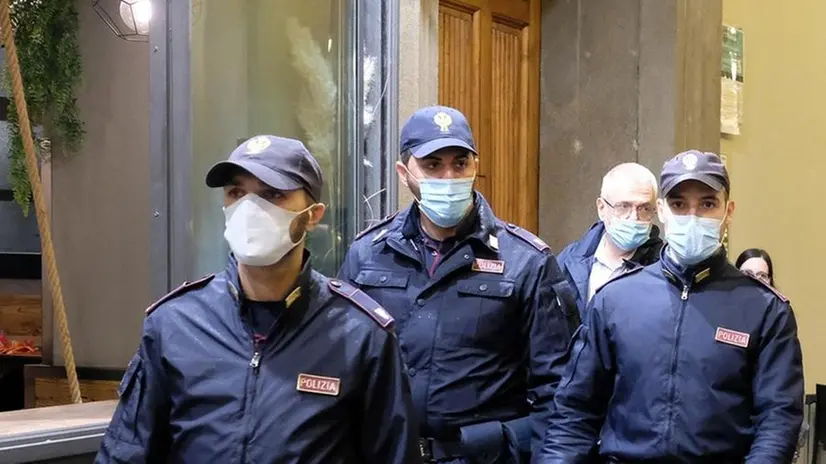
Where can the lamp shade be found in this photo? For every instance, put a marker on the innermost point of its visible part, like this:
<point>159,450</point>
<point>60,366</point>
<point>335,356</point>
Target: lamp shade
<point>128,19</point>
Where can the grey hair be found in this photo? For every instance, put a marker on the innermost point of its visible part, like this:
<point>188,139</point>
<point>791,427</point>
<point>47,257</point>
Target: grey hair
<point>628,172</point>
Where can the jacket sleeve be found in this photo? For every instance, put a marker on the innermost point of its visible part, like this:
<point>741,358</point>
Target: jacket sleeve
<point>139,430</point>
<point>778,390</point>
<point>389,433</point>
<point>546,325</point>
<point>582,398</point>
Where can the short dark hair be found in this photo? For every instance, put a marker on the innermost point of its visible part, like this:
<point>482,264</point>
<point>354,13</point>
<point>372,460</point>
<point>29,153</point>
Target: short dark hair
<point>726,193</point>
<point>405,155</point>
<point>756,253</point>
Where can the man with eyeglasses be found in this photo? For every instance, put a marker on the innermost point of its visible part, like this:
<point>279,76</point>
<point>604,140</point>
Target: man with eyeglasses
<point>622,239</point>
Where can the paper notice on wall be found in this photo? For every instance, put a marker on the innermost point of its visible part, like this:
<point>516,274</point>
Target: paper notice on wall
<point>731,106</point>
<point>731,91</point>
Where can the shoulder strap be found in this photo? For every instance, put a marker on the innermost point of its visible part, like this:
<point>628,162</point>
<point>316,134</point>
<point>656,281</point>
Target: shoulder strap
<point>782,297</point>
<point>381,223</point>
<point>362,301</point>
<point>183,288</point>
<point>566,299</point>
<point>526,236</point>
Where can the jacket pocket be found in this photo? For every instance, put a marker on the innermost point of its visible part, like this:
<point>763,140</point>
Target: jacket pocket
<point>127,383</point>
<point>479,315</point>
<point>382,278</point>
<point>130,391</point>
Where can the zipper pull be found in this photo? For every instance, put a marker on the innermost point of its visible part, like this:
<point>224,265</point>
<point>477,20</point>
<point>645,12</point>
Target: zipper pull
<point>255,361</point>
<point>684,296</point>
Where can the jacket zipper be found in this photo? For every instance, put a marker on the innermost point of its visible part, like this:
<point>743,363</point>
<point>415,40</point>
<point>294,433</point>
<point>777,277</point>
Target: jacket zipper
<point>254,365</point>
<point>256,360</point>
<point>674,358</point>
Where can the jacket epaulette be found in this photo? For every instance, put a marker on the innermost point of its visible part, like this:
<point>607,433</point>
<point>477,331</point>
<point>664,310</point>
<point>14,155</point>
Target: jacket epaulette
<point>526,236</point>
<point>782,297</point>
<point>377,225</point>
<point>362,301</point>
<point>183,288</point>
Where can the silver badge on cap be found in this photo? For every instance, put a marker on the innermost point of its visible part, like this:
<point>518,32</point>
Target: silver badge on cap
<point>690,161</point>
<point>443,120</point>
<point>256,145</point>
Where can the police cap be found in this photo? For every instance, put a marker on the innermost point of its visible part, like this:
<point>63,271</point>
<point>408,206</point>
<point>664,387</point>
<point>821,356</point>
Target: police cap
<point>281,163</point>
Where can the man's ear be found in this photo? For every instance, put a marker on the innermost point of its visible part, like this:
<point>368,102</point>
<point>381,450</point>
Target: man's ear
<point>315,215</point>
<point>601,209</point>
<point>729,213</point>
<point>661,205</point>
<point>401,171</point>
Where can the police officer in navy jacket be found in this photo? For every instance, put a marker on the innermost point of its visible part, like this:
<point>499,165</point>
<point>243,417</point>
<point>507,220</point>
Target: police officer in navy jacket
<point>475,299</point>
<point>268,361</point>
<point>688,359</point>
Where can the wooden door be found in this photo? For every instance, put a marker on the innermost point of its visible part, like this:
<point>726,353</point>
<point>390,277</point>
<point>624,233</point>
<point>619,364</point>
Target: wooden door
<point>489,70</point>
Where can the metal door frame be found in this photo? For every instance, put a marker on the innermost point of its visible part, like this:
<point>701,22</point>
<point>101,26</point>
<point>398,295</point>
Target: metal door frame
<point>170,131</point>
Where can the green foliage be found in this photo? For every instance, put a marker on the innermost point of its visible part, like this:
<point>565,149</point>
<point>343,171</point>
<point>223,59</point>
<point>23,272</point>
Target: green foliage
<point>46,37</point>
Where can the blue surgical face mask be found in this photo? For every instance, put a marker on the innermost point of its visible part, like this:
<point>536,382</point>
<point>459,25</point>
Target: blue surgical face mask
<point>628,234</point>
<point>692,239</point>
<point>445,201</point>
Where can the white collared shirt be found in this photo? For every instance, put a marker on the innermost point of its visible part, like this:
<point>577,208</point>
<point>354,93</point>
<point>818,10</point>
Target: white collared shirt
<point>603,268</point>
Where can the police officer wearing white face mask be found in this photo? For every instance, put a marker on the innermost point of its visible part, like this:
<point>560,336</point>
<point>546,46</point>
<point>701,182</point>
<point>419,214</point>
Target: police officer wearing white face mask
<point>688,359</point>
<point>267,361</point>
<point>482,330</point>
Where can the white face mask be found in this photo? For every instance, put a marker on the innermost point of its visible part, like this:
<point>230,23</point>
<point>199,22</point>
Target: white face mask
<point>258,232</point>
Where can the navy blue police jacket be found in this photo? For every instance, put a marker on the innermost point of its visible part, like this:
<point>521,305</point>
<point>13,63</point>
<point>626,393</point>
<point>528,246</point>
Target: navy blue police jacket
<point>329,387</point>
<point>675,364</point>
<point>485,336</point>
<point>576,259</point>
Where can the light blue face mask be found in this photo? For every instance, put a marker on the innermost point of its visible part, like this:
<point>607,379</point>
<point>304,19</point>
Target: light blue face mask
<point>692,239</point>
<point>628,234</point>
<point>445,201</point>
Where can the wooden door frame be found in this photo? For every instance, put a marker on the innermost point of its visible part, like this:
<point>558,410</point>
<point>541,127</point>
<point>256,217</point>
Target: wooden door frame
<point>525,14</point>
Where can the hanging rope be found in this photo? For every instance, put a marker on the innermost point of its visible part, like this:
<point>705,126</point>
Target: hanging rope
<point>43,221</point>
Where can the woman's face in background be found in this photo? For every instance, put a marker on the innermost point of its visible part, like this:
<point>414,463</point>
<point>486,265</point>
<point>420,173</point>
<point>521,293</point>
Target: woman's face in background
<point>757,267</point>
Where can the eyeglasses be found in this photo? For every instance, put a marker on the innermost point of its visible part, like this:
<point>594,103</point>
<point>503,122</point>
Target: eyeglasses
<point>623,210</point>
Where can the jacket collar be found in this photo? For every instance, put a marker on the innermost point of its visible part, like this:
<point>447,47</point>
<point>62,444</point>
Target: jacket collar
<point>479,224</point>
<point>587,246</point>
<point>653,242</point>
<point>696,274</point>
<point>296,299</point>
